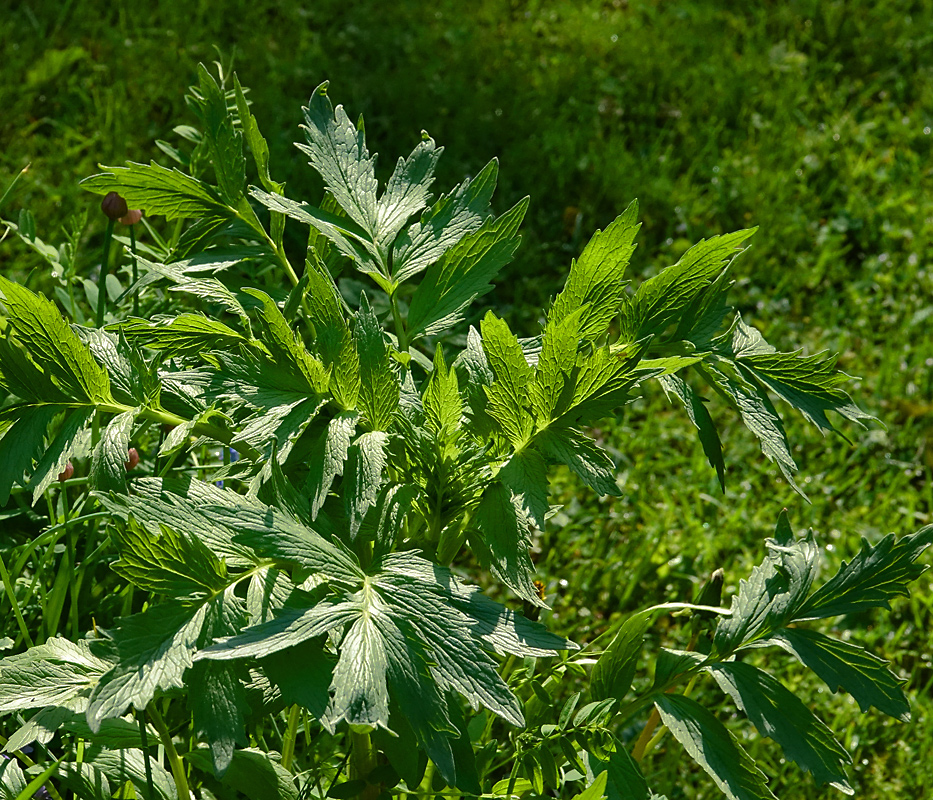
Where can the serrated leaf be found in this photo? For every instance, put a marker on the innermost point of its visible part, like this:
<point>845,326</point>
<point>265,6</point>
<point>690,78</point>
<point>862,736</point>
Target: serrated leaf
<point>379,386</point>
<point>808,383</point>
<point>525,475</point>
<point>759,416</point>
<point>554,372</point>
<point>366,460</point>
<point>160,191</point>
<point>406,193</point>
<point>594,285</point>
<point>252,772</point>
<point>502,542</point>
<point>257,144</point>
<point>451,218</point>
<point>216,699</point>
<point>624,779</point>
<point>508,394</point>
<point>328,456</point>
<point>442,403</point>
<point>50,674</point>
<point>12,779</point>
<point>579,452</point>
<point>672,664</point>
<point>773,593</point>
<point>700,417</point>
<point>22,429</point>
<point>53,345</point>
<point>286,346</point>
<point>109,458</point>
<point>224,140</point>
<point>843,665</point>
<point>337,150</point>
<point>707,742</point>
<point>661,300</point>
<point>871,579</point>
<point>464,273</point>
<point>778,714</point>
<point>612,675</point>
<point>186,334</point>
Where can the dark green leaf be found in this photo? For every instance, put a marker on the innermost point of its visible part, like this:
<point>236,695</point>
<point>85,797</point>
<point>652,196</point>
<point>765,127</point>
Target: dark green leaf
<point>707,742</point>
<point>612,675</point>
<point>700,417</point>
<point>778,714</point>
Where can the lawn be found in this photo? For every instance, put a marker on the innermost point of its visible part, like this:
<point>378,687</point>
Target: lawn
<point>809,120</point>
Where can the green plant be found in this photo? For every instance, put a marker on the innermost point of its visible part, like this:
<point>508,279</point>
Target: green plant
<point>305,629</point>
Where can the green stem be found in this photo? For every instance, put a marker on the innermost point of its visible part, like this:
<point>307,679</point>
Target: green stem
<point>144,735</point>
<point>362,762</point>
<point>8,585</point>
<point>174,760</point>
<point>102,280</point>
<point>135,272</point>
<point>291,733</point>
<point>399,325</point>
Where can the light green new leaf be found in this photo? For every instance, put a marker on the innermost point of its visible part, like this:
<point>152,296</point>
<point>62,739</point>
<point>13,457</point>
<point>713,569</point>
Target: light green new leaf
<point>502,542</point>
<point>328,456</point>
<point>12,780</point>
<point>186,334</point>
<point>596,790</point>
<point>707,742</point>
<point>451,218</point>
<point>22,435</point>
<point>464,273</point>
<point>337,149</point>
<point>554,372</point>
<point>595,283</point>
<point>773,594</point>
<point>363,478</point>
<point>160,191</point>
<point>223,139</point>
<point>508,394</point>
<point>379,385</point>
<point>843,665</point>
<point>612,675</point>
<point>780,715</point>
<point>109,459</point>
<point>702,421</point>
<point>406,193</point>
<point>442,403</point>
<point>877,574</point>
<point>53,344</point>
<point>579,452</point>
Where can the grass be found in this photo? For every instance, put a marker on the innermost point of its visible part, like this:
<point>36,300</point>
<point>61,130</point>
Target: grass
<point>811,120</point>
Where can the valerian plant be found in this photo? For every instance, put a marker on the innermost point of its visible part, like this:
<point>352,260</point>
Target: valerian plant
<point>288,623</point>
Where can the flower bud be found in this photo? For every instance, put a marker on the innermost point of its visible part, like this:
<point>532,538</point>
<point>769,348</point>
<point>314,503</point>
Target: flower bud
<point>132,457</point>
<point>113,206</point>
<point>67,473</point>
<point>132,216</point>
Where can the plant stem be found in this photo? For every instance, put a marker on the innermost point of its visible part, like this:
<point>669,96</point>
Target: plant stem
<point>362,762</point>
<point>102,280</point>
<point>291,733</point>
<point>144,735</point>
<point>399,325</point>
<point>8,585</point>
<point>174,760</point>
<point>135,275</point>
<point>641,746</point>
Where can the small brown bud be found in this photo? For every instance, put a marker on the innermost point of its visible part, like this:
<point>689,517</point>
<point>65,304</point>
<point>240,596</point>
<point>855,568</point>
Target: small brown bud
<point>113,206</point>
<point>132,216</point>
<point>67,473</point>
<point>132,459</point>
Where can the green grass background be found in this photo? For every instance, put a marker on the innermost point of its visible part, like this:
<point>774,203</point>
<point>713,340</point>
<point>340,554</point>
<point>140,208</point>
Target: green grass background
<point>811,119</point>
